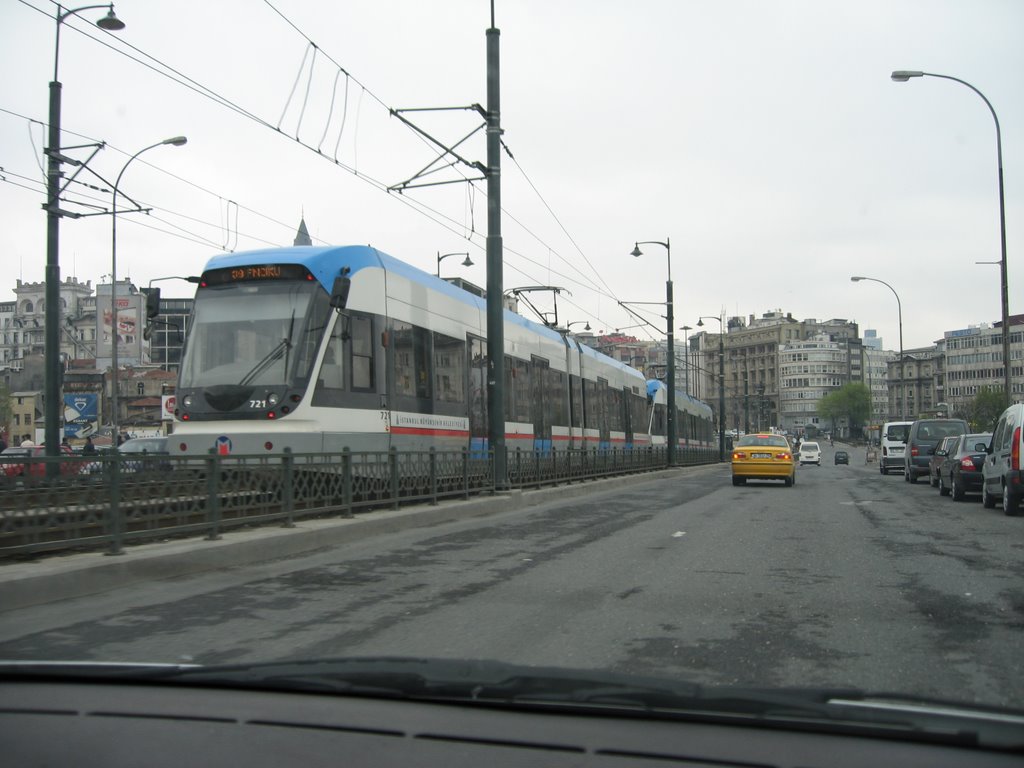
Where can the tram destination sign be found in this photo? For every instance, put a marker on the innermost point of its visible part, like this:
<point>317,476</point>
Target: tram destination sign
<point>255,273</point>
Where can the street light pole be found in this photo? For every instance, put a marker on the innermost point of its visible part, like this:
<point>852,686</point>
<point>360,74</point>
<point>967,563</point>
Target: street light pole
<point>670,319</point>
<point>52,407</point>
<point>176,141</point>
<point>899,309</point>
<point>902,76</point>
<point>721,381</point>
<point>441,257</point>
<point>686,360</point>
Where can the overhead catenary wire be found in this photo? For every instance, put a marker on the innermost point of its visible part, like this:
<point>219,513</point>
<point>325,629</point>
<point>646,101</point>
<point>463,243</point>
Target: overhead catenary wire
<point>180,78</point>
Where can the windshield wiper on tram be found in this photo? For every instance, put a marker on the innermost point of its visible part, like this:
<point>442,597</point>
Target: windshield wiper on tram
<point>283,348</point>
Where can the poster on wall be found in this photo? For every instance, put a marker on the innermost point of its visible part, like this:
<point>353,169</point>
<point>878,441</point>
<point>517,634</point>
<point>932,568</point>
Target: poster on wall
<point>81,415</point>
<point>128,324</point>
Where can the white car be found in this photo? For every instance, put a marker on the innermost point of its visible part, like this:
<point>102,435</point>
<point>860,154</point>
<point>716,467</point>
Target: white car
<point>810,453</point>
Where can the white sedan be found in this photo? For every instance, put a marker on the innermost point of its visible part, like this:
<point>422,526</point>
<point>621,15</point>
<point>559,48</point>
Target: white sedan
<point>810,453</point>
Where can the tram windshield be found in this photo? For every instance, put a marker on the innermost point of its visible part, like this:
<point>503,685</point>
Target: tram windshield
<point>254,334</point>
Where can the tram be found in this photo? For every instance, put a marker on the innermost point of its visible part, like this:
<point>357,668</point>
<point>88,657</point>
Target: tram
<point>316,349</point>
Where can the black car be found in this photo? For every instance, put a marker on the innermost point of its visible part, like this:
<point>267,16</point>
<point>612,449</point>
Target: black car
<point>842,457</point>
<point>960,470</point>
<point>938,456</point>
<point>924,436</point>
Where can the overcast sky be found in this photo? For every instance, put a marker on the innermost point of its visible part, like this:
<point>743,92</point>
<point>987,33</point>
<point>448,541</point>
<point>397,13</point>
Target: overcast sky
<point>765,139</point>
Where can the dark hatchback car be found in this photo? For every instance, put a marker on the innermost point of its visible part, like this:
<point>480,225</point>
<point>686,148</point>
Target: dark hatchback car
<point>960,470</point>
<point>923,438</point>
<point>842,457</point>
<point>938,456</point>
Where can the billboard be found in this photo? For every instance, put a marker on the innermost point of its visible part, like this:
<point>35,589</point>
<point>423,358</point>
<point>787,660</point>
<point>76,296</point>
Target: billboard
<point>81,415</point>
<point>129,327</point>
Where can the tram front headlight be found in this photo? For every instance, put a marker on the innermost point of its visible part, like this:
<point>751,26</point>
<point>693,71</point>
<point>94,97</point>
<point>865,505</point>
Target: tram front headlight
<point>187,401</point>
<point>273,399</point>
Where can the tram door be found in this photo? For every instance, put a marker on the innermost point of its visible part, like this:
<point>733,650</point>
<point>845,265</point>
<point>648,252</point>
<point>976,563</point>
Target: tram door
<point>540,415</point>
<point>477,368</point>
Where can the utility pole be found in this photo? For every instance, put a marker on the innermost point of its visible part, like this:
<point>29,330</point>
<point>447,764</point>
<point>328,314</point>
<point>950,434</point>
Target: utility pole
<point>495,274</point>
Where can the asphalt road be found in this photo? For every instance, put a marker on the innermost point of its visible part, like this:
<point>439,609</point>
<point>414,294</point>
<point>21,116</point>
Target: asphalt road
<point>848,578</point>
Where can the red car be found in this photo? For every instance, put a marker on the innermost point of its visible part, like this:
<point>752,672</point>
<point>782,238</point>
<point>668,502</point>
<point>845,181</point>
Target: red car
<point>15,461</point>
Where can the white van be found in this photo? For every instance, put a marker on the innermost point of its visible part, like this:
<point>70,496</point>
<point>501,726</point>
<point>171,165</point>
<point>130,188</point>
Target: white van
<point>1003,472</point>
<point>894,445</point>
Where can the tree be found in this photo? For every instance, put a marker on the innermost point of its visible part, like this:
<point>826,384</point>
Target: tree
<point>851,401</point>
<point>982,411</point>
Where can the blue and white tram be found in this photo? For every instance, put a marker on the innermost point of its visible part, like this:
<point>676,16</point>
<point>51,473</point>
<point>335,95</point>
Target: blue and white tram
<point>316,349</point>
<point>694,418</point>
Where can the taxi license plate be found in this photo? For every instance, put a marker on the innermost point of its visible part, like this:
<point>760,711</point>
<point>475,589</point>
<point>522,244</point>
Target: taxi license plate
<point>760,455</point>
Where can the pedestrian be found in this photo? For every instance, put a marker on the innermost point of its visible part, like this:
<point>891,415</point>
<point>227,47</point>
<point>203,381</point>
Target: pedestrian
<point>88,449</point>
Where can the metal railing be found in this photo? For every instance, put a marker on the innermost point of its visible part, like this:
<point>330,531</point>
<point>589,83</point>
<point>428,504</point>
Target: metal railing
<point>109,501</point>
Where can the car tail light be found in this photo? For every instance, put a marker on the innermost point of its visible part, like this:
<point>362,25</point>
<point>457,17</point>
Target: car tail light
<point>786,456</point>
<point>967,463</point>
<point>737,455</point>
<point>913,450</point>
<point>1015,450</point>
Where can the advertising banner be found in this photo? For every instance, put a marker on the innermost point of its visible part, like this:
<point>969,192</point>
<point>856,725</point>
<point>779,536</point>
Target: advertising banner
<point>168,404</point>
<point>129,328</point>
<point>81,415</point>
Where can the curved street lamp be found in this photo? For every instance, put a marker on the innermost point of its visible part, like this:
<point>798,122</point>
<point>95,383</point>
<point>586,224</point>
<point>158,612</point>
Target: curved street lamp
<point>578,322</point>
<point>902,76</point>
<point>721,381</point>
<point>467,263</point>
<point>53,407</point>
<point>899,309</point>
<point>636,252</point>
<point>176,141</point>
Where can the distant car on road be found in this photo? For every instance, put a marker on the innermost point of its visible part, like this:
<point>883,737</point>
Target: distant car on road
<point>842,457</point>
<point>762,457</point>
<point>960,470</point>
<point>810,453</point>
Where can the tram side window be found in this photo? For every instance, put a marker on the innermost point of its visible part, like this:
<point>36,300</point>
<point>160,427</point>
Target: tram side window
<point>412,360</point>
<point>592,408</point>
<point>517,390</point>
<point>659,419</point>
<point>557,398</point>
<point>639,413</point>
<point>521,391</point>
<point>361,331</point>
<point>615,410</point>
<point>576,400</point>
<point>449,369</point>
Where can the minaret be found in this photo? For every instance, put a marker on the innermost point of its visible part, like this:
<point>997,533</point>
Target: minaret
<point>302,236</point>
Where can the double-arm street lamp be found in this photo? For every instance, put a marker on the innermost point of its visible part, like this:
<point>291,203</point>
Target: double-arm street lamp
<point>441,257</point>
<point>721,381</point>
<point>176,141</point>
<point>899,309</point>
<point>669,317</point>
<point>52,406</point>
<point>902,76</point>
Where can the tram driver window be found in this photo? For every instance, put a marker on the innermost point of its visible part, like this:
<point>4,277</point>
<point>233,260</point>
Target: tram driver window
<point>361,332</point>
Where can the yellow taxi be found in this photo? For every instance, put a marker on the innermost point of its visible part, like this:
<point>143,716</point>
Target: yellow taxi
<point>763,457</point>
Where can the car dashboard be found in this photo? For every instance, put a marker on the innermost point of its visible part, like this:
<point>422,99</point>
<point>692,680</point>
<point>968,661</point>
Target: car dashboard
<point>106,723</point>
